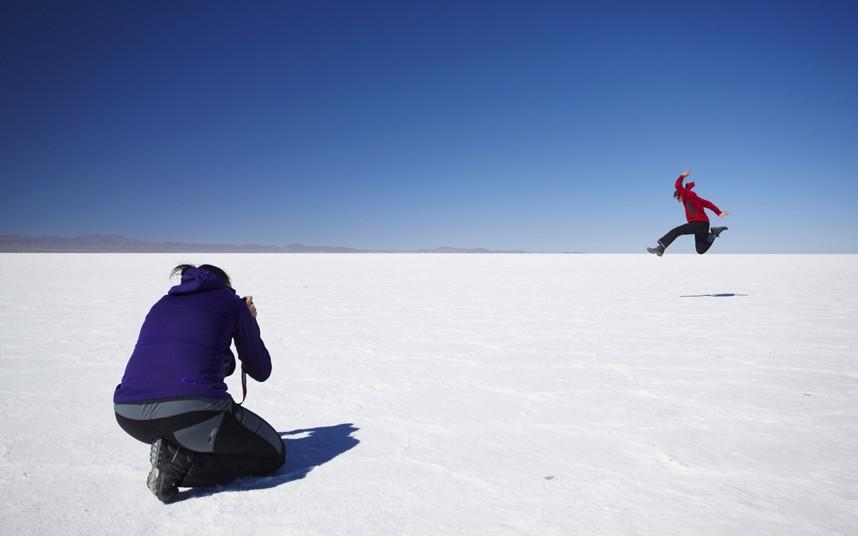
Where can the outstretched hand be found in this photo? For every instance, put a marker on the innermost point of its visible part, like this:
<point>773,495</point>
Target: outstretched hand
<point>685,173</point>
<point>249,301</point>
<point>724,214</point>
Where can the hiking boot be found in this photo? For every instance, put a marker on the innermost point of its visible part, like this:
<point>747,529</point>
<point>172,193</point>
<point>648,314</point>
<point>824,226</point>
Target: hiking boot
<point>170,463</point>
<point>713,233</point>
<point>658,250</point>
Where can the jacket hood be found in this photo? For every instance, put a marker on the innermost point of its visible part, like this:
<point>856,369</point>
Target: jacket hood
<point>196,280</point>
<point>689,185</point>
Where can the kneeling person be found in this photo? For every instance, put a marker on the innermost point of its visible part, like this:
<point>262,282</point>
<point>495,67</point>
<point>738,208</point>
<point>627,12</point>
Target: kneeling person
<point>173,394</point>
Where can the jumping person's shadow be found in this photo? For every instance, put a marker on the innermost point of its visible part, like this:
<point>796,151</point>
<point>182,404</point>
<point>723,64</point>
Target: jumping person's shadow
<point>718,295</point>
<point>305,450</point>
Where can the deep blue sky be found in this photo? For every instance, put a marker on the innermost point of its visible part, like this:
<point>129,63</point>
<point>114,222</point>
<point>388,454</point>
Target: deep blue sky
<point>531,125</point>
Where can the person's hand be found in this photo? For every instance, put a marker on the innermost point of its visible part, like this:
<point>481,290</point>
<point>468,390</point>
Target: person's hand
<point>249,301</point>
<point>685,173</point>
<point>724,214</point>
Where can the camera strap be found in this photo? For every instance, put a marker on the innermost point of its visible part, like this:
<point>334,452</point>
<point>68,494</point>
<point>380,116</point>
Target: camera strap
<point>243,386</point>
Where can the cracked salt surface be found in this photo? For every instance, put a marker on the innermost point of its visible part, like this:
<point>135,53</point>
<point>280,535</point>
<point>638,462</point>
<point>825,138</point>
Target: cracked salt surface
<point>460,394</point>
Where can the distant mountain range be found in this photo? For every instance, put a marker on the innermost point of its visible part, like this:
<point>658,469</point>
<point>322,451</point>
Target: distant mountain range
<point>119,244</point>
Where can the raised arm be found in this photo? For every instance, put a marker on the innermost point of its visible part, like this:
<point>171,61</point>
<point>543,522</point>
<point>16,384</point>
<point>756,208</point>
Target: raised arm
<point>254,357</point>
<point>682,176</point>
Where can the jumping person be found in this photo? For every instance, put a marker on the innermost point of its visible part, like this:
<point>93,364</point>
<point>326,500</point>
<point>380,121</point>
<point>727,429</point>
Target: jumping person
<point>173,396</point>
<point>698,222</point>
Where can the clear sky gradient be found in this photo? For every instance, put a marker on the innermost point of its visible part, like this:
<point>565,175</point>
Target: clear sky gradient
<point>548,126</point>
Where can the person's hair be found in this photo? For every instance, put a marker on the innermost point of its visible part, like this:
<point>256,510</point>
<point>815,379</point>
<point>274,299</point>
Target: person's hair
<point>180,269</point>
<point>676,194</point>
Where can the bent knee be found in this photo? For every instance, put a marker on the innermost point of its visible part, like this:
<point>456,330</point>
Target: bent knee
<point>277,461</point>
<point>273,464</point>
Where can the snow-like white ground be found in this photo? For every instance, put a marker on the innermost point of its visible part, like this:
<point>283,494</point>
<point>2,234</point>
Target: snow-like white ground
<point>459,394</point>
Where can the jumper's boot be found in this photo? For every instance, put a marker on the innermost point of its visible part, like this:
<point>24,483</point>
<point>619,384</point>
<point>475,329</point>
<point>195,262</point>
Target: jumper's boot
<point>715,232</point>
<point>658,250</point>
<point>170,464</point>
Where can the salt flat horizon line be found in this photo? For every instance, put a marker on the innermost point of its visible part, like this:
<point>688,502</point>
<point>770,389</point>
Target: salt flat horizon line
<point>405,252</point>
<point>115,243</point>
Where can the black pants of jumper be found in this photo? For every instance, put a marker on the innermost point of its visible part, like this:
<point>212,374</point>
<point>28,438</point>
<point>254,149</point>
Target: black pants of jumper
<point>700,229</point>
<point>228,440</point>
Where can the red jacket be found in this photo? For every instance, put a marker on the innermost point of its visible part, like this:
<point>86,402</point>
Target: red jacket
<point>694,204</point>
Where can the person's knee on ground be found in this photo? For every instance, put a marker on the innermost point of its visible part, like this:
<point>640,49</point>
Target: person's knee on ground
<point>214,469</point>
<point>241,444</point>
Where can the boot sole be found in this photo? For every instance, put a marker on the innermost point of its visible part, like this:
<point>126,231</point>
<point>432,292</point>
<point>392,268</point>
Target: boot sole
<point>153,481</point>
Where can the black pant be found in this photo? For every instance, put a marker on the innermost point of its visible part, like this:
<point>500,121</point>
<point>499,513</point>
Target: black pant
<point>700,229</point>
<point>228,440</point>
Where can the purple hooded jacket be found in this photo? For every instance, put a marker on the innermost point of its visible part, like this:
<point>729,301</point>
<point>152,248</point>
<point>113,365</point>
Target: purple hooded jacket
<point>183,349</point>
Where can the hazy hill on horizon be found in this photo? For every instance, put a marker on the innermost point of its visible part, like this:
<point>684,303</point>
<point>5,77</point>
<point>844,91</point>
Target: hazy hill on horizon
<point>99,243</point>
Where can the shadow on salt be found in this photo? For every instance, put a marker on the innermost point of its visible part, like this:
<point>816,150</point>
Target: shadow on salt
<point>306,449</point>
<point>720,295</point>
